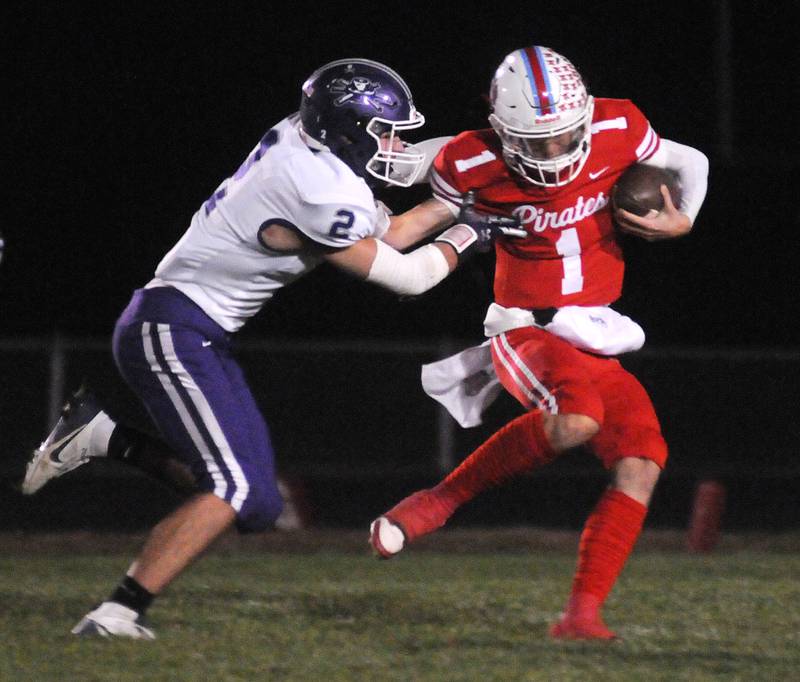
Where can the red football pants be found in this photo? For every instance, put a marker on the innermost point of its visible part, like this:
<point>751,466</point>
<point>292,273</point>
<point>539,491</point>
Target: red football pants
<point>543,371</point>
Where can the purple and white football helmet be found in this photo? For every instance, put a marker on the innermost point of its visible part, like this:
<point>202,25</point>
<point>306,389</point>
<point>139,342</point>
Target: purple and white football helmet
<point>356,108</point>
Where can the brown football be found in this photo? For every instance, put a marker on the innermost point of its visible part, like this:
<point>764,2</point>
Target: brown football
<point>638,189</point>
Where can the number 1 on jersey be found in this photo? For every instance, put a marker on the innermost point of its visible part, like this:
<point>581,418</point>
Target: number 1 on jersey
<point>568,247</point>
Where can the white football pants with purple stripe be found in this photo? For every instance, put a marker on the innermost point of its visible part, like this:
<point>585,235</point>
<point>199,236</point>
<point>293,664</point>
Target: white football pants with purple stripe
<point>179,362</point>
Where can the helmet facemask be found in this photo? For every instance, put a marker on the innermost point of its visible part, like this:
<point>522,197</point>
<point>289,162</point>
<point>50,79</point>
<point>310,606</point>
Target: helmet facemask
<point>399,166</point>
<point>529,152</point>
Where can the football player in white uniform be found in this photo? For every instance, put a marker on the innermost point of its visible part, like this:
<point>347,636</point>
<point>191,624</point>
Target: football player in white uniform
<point>303,196</point>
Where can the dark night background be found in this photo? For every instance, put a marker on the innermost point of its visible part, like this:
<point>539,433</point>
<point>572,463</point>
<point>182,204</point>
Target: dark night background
<point>120,119</point>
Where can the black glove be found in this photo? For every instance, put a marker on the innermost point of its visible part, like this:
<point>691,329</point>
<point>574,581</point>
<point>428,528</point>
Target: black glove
<point>487,226</point>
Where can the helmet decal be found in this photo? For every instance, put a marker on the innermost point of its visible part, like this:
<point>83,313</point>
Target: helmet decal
<point>364,89</point>
<point>542,88</point>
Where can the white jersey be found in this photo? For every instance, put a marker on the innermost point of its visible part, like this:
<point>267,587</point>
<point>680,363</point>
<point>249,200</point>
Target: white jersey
<point>221,264</point>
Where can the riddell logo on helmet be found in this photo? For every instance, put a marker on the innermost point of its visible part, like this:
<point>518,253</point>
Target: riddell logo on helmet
<point>548,118</point>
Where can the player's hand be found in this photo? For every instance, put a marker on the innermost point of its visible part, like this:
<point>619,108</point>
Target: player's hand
<point>667,223</point>
<point>488,226</point>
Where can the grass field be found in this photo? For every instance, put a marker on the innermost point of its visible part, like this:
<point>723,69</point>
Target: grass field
<point>470,606</point>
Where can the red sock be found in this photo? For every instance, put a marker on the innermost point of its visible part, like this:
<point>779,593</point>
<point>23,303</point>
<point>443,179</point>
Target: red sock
<point>520,446</point>
<point>607,540</point>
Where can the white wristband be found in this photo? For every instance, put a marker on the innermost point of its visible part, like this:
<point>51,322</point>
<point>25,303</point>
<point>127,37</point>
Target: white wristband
<point>460,236</point>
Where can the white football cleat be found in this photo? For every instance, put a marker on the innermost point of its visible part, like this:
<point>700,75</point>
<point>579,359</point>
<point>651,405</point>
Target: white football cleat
<point>385,538</point>
<point>82,432</point>
<point>113,620</point>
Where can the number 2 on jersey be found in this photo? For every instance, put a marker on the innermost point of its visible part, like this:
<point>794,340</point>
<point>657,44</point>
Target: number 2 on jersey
<point>340,227</point>
<point>568,247</point>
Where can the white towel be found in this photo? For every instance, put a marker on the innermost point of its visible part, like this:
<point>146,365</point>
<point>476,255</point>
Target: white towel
<point>465,383</point>
<point>597,329</point>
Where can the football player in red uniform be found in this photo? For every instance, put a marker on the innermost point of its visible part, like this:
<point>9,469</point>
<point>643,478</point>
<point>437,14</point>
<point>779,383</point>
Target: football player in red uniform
<point>550,158</point>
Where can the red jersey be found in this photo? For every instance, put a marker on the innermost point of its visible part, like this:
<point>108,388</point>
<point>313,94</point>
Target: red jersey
<point>571,255</point>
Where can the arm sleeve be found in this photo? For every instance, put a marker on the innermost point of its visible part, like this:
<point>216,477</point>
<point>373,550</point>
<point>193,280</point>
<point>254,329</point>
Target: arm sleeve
<point>408,274</point>
<point>692,168</point>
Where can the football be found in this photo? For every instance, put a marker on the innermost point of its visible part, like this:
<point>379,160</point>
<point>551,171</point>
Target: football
<point>638,189</point>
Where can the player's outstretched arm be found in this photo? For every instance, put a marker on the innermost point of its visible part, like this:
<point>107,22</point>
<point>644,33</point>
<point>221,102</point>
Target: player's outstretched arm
<point>414,273</point>
<point>409,274</point>
<point>418,223</point>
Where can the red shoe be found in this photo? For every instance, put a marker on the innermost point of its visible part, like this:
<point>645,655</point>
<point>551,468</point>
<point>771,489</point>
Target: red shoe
<point>418,514</point>
<point>582,620</point>
<point>569,628</point>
